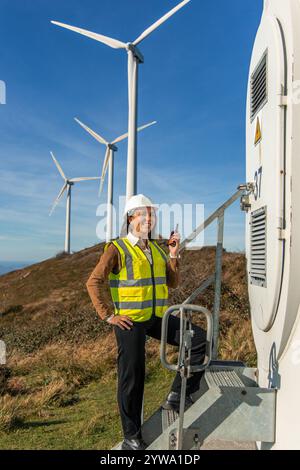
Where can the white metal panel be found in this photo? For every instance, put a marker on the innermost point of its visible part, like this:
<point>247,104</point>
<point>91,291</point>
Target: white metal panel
<point>264,166</point>
<point>274,307</point>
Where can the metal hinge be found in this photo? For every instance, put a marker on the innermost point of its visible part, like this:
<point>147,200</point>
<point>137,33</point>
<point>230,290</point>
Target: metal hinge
<point>283,100</point>
<point>282,234</point>
<point>245,204</point>
<point>282,230</point>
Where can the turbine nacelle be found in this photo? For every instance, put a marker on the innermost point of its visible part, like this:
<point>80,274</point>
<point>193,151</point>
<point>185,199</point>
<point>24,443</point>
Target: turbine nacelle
<point>136,52</point>
<point>112,147</point>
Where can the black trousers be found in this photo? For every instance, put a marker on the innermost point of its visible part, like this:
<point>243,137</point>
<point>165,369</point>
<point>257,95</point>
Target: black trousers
<point>131,367</point>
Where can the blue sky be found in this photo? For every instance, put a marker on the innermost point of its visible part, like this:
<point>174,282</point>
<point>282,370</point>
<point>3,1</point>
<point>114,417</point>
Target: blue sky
<point>193,82</point>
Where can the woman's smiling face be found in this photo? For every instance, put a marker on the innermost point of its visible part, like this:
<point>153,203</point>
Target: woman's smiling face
<point>142,221</point>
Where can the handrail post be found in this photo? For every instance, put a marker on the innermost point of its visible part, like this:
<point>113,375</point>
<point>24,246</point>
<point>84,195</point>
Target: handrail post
<point>184,366</point>
<point>218,285</point>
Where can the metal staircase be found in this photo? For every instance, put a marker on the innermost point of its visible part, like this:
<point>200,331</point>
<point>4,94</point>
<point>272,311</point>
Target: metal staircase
<point>233,408</point>
<point>230,406</point>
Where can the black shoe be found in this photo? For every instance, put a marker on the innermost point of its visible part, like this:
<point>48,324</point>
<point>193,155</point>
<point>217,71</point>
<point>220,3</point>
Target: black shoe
<point>173,402</point>
<point>133,444</point>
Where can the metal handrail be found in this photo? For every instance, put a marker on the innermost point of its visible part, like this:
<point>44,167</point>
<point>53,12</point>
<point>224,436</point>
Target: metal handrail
<point>215,278</point>
<point>164,333</point>
<point>217,214</point>
<point>185,350</point>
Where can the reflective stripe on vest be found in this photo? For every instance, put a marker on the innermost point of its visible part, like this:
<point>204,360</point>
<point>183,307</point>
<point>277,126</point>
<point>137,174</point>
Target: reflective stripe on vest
<point>136,282</point>
<point>140,305</point>
<point>139,290</point>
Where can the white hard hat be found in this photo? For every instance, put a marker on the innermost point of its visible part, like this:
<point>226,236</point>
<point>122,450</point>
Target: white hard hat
<point>138,201</point>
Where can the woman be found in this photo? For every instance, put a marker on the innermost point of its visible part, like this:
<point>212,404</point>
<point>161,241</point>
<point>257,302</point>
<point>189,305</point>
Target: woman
<point>139,276</point>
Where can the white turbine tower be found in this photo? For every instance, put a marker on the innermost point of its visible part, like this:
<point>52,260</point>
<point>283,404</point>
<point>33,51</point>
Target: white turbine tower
<point>111,148</point>
<point>134,59</point>
<point>68,183</point>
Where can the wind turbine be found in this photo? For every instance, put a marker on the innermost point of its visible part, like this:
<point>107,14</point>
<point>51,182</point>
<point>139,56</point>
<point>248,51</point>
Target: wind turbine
<point>111,148</point>
<point>67,186</point>
<point>134,59</point>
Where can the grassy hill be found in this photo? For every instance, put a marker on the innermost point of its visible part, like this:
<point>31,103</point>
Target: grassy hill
<point>58,389</point>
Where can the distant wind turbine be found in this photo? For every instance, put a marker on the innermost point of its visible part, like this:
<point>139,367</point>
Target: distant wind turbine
<point>111,148</point>
<point>134,59</point>
<point>68,183</point>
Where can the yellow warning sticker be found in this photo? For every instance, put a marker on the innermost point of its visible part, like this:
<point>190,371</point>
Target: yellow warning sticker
<point>258,134</point>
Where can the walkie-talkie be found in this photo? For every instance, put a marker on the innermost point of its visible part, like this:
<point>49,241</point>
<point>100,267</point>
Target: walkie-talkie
<point>173,244</point>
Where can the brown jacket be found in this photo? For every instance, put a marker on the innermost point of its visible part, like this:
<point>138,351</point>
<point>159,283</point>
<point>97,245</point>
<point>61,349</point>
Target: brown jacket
<point>110,261</point>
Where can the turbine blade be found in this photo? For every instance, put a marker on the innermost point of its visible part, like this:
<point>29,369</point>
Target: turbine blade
<point>101,187</point>
<point>84,178</point>
<point>119,139</point>
<point>104,169</point>
<point>58,198</point>
<point>160,22</point>
<point>146,125</point>
<point>58,166</point>
<point>114,43</point>
<point>124,136</point>
<point>92,133</point>
<point>105,163</point>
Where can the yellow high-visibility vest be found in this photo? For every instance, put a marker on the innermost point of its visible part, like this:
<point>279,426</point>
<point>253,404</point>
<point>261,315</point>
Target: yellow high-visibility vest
<point>140,289</point>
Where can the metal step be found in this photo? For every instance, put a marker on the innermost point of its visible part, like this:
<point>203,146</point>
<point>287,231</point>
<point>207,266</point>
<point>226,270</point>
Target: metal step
<point>233,408</point>
<point>223,378</point>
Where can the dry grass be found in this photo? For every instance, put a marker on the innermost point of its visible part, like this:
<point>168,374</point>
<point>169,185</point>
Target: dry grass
<point>11,413</point>
<point>52,376</point>
<point>77,361</point>
<point>48,395</point>
<point>14,410</point>
<point>237,343</point>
